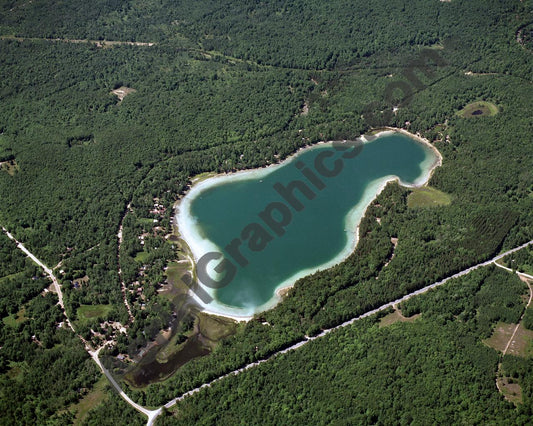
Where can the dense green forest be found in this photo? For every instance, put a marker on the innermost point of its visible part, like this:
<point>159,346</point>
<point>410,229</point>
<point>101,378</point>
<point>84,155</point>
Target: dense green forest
<point>234,85</point>
<point>432,370</point>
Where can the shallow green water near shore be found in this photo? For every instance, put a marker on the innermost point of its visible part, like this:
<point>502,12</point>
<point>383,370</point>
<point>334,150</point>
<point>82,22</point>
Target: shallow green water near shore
<point>309,226</point>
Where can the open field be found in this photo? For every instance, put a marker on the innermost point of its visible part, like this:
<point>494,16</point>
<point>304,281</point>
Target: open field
<point>215,328</point>
<point>395,317</point>
<point>14,319</point>
<point>96,396</point>
<point>88,312</point>
<point>9,166</point>
<point>478,109</point>
<point>522,342</point>
<point>428,197</point>
<point>501,335</point>
<point>510,390</point>
<point>142,256</point>
<point>174,273</point>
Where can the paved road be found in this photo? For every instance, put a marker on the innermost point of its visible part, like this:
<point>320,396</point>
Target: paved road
<point>78,41</point>
<point>152,414</point>
<point>349,322</point>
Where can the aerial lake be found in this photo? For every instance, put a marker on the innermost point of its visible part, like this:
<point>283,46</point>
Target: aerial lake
<point>263,229</point>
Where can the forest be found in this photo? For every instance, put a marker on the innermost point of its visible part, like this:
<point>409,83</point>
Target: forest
<point>235,85</point>
<point>434,369</point>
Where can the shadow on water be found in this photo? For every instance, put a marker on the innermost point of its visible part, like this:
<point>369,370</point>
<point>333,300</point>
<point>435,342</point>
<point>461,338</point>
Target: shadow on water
<point>150,370</point>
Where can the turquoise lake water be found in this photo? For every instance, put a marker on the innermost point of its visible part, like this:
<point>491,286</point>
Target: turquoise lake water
<point>296,235</point>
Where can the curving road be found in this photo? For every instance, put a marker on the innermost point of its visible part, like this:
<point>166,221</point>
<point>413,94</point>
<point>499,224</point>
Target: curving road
<point>48,272</point>
<point>349,322</point>
<point>152,414</point>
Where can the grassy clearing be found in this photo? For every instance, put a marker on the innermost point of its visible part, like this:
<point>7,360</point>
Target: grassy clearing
<point>510,390</point>
<point>88,312</point>
<point>183,264</point>
<point>395,317</point>
<point>145,221</point>
<point>15,319</point>
<point>176,289</point>
<point>428,197</point>
<point>11,167</point>
<point>501,335</point>
<point>142,257</point>
<point>521,344</point>
<point>95,397</point>
<point>10,321</point>
<point>478,109</point>
<point>215,328</point>
<point>174,273</point>
<point>16,370</point>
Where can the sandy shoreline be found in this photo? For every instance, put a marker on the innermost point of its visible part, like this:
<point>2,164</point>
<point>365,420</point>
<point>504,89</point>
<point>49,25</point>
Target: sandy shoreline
<point>423,141</point>
<point>185,223</point>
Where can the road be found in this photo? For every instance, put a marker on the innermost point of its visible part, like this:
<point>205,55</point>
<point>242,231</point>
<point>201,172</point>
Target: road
<point>120,238</point>
<point>511,339</point>
<point>349,322</point>
<point>527,306</point>
<point>152,414</point>
<point>101,43</point>
<point>510,270</point>
<point>47,270</point>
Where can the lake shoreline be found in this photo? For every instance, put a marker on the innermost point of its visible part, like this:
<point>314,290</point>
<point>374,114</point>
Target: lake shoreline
<point>185,224</point>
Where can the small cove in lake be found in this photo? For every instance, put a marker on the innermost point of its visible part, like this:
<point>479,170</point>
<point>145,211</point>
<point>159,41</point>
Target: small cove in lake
<point>270,231</point>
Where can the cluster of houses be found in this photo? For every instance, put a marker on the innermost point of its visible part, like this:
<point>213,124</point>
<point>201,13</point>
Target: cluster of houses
<point>157,211</point>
